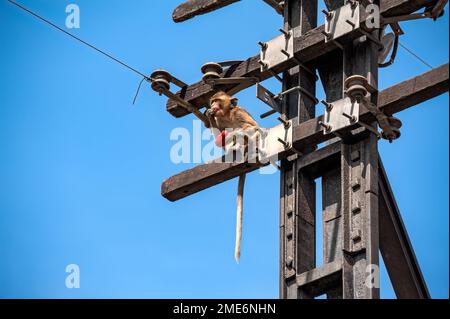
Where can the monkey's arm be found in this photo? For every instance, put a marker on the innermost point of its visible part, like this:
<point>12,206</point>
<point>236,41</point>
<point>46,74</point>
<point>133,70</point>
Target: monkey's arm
<point>244,118</point>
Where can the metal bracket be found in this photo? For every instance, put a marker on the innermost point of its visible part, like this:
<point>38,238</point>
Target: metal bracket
<point>299,89</point>
<point>342,21</point>
<point>274,101</point>
<point>160,82</point>
<point>390,126</point>
<point>340,114</point>
<point>214,70</point>
<point>269,98</point>
<point>274,141</point>
<point>277,50</point>
<point>357,89</point>
<point>214,75</point>
<point>263,145</point>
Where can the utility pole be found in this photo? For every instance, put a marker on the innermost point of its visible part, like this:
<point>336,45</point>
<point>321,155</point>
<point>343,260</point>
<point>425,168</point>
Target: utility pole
<point>360,217</point>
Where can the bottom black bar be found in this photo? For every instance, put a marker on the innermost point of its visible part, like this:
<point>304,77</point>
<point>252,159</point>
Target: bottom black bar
<point>252,308</point>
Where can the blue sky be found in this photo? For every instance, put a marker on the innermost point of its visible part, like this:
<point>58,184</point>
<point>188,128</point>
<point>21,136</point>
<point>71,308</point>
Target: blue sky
<point>81,168</point>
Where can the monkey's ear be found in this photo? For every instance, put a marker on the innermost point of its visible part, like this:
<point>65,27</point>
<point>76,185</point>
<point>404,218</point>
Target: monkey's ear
<point>234,101</point>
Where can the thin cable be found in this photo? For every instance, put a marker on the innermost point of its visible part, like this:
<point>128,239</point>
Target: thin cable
<point>416,56</point>
<point>78,39</point>
<point>393,54</point>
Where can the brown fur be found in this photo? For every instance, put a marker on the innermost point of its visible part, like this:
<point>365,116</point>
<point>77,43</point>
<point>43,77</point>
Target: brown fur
<point>228,116</point>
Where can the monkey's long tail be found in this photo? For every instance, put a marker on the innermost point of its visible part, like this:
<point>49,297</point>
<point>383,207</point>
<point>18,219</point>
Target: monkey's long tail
<point>240,201</point>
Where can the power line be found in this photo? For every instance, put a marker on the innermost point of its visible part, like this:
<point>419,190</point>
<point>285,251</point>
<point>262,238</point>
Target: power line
<point>416,56</point>
<point>78,39</point>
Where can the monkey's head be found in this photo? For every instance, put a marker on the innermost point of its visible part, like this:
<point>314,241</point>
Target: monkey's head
<point>221,104</point>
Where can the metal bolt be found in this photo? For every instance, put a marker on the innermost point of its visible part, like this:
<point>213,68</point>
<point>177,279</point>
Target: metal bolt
<point>356,235</point>
<point>286,144</point>
<point>263,64</point>
<point>356,210</point>
<point>327,127</point>
<point>329,15</point>
<point>329,106</point>
<point>269,113</point>
<point>351,23</point>
<point>263,45</point>
<point>327,34</point>
<point>287,34</point>
<point>352,118</point>
<point>287,124</point>
<point>353,3</point>
<point>286,53</point>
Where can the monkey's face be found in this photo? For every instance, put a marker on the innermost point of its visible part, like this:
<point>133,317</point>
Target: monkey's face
<point>221,104</point>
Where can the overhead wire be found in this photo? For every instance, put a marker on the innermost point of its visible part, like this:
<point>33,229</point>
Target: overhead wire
<point>45,20</point>
<point>416,56</point>
<point>144,77</point>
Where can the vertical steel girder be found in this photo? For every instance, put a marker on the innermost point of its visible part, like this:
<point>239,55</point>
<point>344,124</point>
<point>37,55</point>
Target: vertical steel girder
<point>360,219</point>
<point>298,191</point>
<point>350,192</point>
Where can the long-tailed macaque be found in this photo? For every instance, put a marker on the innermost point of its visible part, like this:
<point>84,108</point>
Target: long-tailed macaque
<point>224,115</point>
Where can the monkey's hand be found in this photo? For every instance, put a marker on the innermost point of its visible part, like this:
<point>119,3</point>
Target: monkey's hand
<point>209,115</point>
<point>212,119</point>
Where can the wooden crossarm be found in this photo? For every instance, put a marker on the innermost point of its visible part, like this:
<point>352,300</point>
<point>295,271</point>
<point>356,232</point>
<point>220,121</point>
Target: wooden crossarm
<point>392,100</point>
<point>192,8</point>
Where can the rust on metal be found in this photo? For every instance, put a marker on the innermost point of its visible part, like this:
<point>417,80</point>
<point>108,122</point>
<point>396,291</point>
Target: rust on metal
<point>193,8</point>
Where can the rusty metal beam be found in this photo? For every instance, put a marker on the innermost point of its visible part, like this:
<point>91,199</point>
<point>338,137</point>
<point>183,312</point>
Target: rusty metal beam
<point>308,47</point>
<point>395,246</point>
<point>317,281</point>
<point>192,8</point>
<point>392,100</point>
<point>438,9</point>
<point>297,190</point>
<point>318,162</point>
<point>390,8</point>
<point>359,186</point>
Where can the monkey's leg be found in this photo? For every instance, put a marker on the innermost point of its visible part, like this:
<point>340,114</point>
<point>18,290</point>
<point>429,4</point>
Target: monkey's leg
<point>240,200</point>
